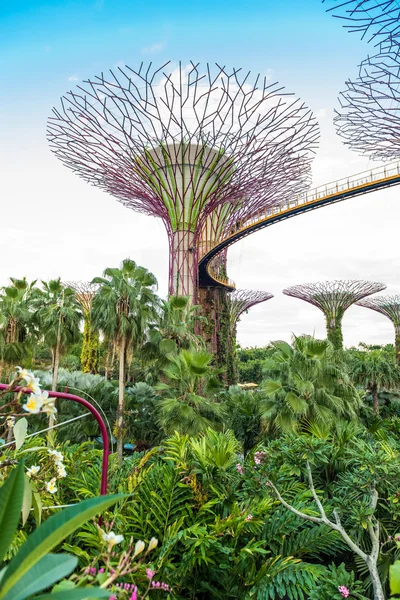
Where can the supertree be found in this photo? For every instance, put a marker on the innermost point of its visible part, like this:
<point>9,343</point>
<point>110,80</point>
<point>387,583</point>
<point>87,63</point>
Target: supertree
<point>369,118</point>
<point>377,19</point>
<point>184,144</point>
<point>334,298</point>
<point>239,302</point>
<point>390,307</point>
<point>84,293</point>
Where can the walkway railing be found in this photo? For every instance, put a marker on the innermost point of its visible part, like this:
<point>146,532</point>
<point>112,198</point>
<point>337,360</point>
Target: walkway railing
<point>347,187</point>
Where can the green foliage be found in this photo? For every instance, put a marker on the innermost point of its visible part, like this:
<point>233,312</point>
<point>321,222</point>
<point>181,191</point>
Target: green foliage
<point>307,380</point>
<point>34,569</point>
<point>337,577</point>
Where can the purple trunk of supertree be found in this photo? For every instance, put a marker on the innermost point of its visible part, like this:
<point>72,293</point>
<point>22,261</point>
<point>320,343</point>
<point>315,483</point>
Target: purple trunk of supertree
<point>333,298</point>
<point>186,145</point>
<point>390,307</point>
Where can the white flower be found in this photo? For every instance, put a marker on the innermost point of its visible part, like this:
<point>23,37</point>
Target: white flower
<point>51,486</point>
<point>33,404</point>
<point>152,544</point>
<point>61,472</point>
<point>139,547</point>
<point>10,422</point>
<point>33,470</point>
<point>49,405</point>
<point>32,382</point>
<point>57,455</point>
<point>112,538</point>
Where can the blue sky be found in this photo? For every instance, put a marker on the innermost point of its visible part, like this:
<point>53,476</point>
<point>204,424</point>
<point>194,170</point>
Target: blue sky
<point>58,225</point>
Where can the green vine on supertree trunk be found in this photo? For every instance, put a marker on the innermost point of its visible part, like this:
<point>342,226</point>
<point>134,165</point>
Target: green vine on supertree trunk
<point>90,348</point>
<point>334,329</point>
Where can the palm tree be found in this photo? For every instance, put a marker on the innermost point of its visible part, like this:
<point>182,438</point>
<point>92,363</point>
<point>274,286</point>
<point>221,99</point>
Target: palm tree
<point>15,321</point>
<point>178,320</point>
<point>376,371</point>
<point>307,380</point>
<point>123,307</point>
<point>58,315</point>
<point>187,405</point>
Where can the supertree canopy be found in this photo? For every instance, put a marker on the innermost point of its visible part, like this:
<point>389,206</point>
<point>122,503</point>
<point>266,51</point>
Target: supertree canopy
<point>186,145</point>
<point>369,118</point>
<point>333,298</point>
<point>84,293</point>
<point>240,301</point>
<point>375,19</point>
<point>390,307</point>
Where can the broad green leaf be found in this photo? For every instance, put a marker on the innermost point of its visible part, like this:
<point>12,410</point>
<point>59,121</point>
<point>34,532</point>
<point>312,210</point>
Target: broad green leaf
<point>27,500</point>
<point>11,496</point>
<point>37,508</point>
<point>297,404</point>
<point>394,577</point>
<point>270,387</point>
<point>167,346</point>
<point>76,594</point>
<point>45,573</point>
<point>20,430</point>
<point>48,535</point>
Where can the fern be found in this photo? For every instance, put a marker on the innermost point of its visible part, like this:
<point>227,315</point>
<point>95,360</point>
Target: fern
<point>286,578</point>
<point>158,502</point>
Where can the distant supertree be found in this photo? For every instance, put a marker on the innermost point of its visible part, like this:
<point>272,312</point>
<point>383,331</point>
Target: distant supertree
<point>334,298</point>
<point>84,293</point>
<point>376,19</point>
<point>239,302</point>
<point>390,307</point>
<point>369,118</point>
<point>183,144</point>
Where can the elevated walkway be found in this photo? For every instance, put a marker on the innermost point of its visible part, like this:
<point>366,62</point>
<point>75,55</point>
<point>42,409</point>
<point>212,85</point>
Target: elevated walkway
<point>362,183</point>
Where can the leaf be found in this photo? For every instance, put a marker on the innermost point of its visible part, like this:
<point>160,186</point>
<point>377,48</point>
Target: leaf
<point>37,508</point>
<point>27,499</point>
<point>394,577</point>
<point>44,574</point>
<point>76,594</point>
<point>297,404</point>
<point>270,387</point>
<point>47,536</point>
<point>20,430</point>
<point>11,496</point>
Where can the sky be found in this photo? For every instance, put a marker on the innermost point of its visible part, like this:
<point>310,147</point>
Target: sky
<point>54,224</point>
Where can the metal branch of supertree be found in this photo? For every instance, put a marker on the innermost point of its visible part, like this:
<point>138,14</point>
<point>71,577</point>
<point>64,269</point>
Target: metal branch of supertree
<point>240,301</point>
<point>369,117</point>
<point>386,305</point>
<point>180,143</point>
<point>334,297</point>
<point>389,306</point>
<point>84,292</point>
<point>376,19</point>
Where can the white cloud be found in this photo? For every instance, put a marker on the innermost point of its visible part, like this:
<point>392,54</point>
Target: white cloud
<point>320,113</point>
<point>153,49</point>
<point>73,78</point>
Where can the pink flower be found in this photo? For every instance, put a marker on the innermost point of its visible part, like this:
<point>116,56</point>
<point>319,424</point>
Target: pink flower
<point>342,589</point>
<point>150,574</point>
<point>240,468</point>
<point>249,517</point>
<point>134,594</point>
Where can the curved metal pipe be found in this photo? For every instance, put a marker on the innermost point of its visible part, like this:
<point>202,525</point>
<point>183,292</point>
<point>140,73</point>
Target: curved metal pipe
<point>99,419</point>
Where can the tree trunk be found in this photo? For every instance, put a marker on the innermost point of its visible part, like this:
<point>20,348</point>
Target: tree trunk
<point>121,401</point>
<point>374,391</point>
<point>397,344</point>
<point>375,580</point>
<point>56,364</point>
